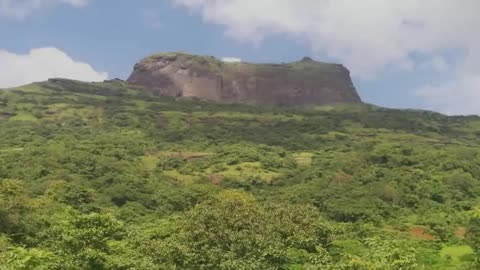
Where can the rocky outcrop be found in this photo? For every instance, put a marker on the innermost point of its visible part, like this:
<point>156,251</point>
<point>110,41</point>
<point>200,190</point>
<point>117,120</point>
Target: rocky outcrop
<point>303,82</point>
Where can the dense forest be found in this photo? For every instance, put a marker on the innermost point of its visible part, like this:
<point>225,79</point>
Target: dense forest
<point>106,176</point>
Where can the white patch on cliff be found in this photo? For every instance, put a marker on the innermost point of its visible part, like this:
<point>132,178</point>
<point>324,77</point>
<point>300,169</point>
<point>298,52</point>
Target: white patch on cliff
<point>42,64</point>
<point>231,59</point>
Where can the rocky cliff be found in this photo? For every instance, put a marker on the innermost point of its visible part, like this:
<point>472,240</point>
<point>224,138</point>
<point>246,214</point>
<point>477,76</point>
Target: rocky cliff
<point>303,82</point>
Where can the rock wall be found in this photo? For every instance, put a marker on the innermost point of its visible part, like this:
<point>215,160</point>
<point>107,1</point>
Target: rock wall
<point>297,83</point>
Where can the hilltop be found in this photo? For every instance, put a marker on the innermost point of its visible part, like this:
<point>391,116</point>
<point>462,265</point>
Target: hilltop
<point>303,82</point>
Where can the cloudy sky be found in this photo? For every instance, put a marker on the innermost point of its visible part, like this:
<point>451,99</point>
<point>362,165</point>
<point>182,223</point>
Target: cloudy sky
<point>406,54</point>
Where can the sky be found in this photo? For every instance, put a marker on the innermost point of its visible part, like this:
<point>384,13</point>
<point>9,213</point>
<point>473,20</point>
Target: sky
<point>419,54</point>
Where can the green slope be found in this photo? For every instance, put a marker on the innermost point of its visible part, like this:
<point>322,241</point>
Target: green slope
<point>107,176</point>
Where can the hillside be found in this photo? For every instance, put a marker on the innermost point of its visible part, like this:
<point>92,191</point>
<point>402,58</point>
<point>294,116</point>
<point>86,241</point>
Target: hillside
<point>110,176</point>
<point>302,82</point>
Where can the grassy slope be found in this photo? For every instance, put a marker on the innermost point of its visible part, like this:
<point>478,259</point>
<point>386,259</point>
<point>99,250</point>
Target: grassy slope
<point>402,168</point>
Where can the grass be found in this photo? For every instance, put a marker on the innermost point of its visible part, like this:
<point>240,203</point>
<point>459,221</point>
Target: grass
<point>9,150</point>
<point>186,179</point>
<point>150,160</point>
<point>58,105</point>
<point>174,119</point>
<point>411,219</point>
<point>248,116</point>
<point>90,96</point>
<point>248,171</point>
<point>33,88</point>
<point>187,155</point>
<point>167,55</point>
<point>24,116</point>
<point>243,171</point>
<point>303,159</point>
<point>452,257</point>
<point>217,66</point>
<point>82,113</point>
<point>141,104</point>
<point>24,106</point>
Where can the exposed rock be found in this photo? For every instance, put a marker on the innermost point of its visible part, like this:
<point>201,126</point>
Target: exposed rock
<point>303,82</point>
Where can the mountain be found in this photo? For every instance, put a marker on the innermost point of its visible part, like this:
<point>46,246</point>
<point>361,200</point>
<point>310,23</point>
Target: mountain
<point>205,77</point>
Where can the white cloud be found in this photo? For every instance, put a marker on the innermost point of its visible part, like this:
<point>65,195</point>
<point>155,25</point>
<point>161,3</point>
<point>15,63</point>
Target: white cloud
<point>20,9</point>
<point>459,96</point>
<point>231,59</point>
<point>42,64</point>
<point>367,36</point>
<point>436,63</point>
<point>439,64</point>
<point>76,3</point>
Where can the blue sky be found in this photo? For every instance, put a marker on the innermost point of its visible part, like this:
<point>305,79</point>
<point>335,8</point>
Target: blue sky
<point>112,35</point>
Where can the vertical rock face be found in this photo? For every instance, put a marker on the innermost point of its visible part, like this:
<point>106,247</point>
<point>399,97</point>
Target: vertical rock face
<point>297,83</point>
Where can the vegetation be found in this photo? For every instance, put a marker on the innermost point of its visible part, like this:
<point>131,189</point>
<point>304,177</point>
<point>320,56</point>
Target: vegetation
<point>106,176</point>
<point>212,64</point>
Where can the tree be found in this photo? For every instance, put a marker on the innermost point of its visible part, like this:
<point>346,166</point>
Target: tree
<point>473,236</point>
<point>381,254</point>
<point>233,231</point>
<point>81,240</point>
<point>13,207</point>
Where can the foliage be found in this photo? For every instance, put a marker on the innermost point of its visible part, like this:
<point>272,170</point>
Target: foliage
<point>107,176</point>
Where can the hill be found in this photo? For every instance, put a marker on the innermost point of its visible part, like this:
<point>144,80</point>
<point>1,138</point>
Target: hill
<point>303,82</point>
<point>110,176</point>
